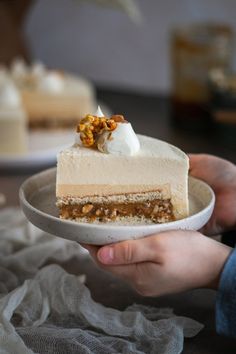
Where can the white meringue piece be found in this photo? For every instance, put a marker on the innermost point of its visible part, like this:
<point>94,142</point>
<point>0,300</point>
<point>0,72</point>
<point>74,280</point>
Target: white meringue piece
<point>51,83</point>
<point>38,69</point>
<point>9,95</point>
<point>122,141</point>
<point>19,69</point>
<point>99,113</point>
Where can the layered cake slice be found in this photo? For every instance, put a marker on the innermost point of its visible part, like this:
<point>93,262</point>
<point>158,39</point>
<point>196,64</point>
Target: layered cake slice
<point>112,174</point>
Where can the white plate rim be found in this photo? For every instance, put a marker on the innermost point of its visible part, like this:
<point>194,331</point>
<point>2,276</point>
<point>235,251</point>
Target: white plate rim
<point>39,157</point>
<point>107,226</point>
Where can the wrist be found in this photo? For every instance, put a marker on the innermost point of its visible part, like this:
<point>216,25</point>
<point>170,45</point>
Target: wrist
<point>218,259</point>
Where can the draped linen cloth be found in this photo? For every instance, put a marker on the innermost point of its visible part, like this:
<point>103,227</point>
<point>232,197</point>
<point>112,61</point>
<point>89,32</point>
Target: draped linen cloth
<point>44,309</point>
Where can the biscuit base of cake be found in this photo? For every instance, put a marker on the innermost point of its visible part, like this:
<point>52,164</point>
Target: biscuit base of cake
<point>149,207</point>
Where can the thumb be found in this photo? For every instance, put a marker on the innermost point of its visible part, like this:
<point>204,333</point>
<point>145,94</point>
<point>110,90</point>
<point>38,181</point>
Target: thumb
<point>196,164</point>
<point>129,252</point>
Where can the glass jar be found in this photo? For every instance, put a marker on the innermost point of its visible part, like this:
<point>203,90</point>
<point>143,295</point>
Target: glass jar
<point>222,87</point>
<point>196,49</point>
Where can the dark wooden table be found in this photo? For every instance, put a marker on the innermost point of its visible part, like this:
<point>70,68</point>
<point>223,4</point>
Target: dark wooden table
<point>149,115</point>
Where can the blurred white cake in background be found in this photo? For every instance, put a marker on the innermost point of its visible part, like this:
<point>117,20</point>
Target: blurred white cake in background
<point>34,97</point>
<point>13,119</point>
<point>51,98</point>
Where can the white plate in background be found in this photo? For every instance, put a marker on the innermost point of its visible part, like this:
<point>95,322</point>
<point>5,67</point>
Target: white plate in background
<point>43,147</point>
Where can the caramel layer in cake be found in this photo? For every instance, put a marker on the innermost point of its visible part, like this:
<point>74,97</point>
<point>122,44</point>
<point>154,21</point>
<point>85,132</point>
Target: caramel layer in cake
<point>150,206</point>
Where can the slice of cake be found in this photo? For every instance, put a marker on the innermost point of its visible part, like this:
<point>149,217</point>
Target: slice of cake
<point>111,174</point>
<point>13,136</point>
<point>51,98</point>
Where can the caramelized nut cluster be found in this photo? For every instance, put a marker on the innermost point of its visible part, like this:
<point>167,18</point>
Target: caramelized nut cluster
<point>91,127</point>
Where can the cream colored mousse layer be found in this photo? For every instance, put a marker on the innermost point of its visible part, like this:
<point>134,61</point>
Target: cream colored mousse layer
<point>158,166</point>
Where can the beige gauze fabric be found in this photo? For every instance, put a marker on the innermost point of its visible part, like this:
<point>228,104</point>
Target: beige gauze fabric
<point>44,309</point>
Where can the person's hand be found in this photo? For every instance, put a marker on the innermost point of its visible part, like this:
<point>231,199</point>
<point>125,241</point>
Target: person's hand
<point>221,176</point>
<point>168,262</point>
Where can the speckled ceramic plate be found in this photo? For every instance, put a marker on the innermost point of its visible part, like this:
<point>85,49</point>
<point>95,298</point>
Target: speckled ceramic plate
<point>37,197</point>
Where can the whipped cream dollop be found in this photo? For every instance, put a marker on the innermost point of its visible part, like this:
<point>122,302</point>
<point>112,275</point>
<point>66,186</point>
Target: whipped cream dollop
<point>121,141</point>
<point>111,136</point>
<point>19,69</point>
<point>99,112</point>
<point>9,94</point>
<point>51,82</point>
<point>38,70</point>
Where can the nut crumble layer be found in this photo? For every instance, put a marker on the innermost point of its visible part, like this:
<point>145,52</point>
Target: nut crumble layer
<point>156,210</point>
